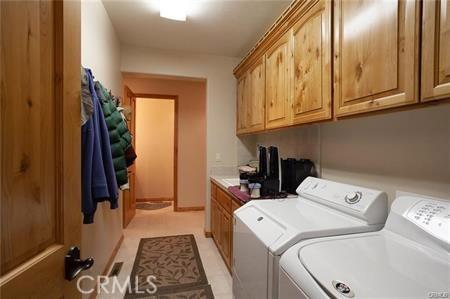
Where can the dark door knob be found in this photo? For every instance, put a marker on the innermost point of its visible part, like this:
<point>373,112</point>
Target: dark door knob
<point>74,265</point>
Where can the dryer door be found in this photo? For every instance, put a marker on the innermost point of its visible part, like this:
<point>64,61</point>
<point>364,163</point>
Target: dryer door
<point>253,233</point>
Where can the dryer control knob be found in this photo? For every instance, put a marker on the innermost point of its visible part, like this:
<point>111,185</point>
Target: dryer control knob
<point>353,197</point>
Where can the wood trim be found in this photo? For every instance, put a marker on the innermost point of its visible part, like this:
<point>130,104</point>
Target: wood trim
<point>208,234</point>
<point>155,96</point>
<point>108,264</point>
<point>129,196</point>
<point>154,199</point>
<point>189,209</point>
<point>175,137</point>
<point>113,255</point>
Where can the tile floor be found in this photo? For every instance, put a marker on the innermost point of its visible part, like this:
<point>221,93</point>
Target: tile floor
<point>165,222</point>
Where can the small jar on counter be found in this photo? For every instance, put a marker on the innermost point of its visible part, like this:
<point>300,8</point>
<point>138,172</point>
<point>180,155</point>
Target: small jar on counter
<point>243,185</point>
<point>255,190</point>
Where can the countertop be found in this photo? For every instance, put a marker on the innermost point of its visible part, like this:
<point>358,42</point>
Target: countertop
<point>225,181</point>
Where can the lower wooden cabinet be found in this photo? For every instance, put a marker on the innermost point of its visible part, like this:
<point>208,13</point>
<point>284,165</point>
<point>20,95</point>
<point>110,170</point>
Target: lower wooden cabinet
<point>222,222</point>
<point>215,217</point>
<point>226,230</point>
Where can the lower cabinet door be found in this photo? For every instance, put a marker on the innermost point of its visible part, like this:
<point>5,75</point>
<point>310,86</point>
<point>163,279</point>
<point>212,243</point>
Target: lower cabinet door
<point>225,229</point>
<point>215,221</point>
<point>213,218</point>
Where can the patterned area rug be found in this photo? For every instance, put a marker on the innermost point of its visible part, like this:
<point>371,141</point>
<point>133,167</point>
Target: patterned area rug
<point>153,205</point>
<point>176,267</point>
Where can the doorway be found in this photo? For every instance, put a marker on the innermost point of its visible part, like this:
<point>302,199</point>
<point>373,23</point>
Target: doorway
<point>156,144</point>
<point>189,98</point>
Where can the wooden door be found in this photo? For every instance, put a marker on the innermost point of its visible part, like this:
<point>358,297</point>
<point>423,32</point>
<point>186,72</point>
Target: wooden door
<point>129,196</point>
<point>40,146</point>
<point>256,100</point>
<point>435,50</point>
<point>375,55</point>
<point>242,99</point>
<point>277,84</point>
<point>225,238</point>
<point>311,65</point>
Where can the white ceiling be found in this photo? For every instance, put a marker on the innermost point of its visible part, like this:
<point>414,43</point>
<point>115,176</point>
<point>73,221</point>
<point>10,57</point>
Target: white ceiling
<point>217,27</point>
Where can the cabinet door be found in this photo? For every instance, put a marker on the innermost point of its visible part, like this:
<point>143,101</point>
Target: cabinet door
<point>375,55</point>
<point>225,229</point>
<point>256,103</point>
<point>215,221</point>
<point>311,65</point>
<point>242,99</point>
<point>213,216</point>
<point>277,84</point>
<point>435,50</point>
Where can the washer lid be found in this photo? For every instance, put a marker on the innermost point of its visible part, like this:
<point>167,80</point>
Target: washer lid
<point>302,219</point>
<point>380,265</point>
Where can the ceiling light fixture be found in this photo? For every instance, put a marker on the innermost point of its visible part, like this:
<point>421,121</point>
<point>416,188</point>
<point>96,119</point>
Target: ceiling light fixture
<point>173,9</point>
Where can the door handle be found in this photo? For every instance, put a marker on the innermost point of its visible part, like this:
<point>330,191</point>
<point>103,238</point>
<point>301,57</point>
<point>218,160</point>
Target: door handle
<point>74,265</point>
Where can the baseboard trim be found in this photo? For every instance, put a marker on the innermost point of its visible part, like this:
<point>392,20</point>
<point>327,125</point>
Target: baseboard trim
<point>208,234</point>
<point>108,264</point>
<point>154,199</point>
<point>188,209</point>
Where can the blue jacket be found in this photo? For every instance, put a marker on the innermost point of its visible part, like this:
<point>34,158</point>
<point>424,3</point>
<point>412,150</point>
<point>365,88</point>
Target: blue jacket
<point>98,176</point>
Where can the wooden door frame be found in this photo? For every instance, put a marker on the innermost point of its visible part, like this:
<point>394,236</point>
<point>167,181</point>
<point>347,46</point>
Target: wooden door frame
<point>126,216</point>
<point>175,138</point>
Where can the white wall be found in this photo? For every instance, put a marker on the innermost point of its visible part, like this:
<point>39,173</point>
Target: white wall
<point>405,151</point>
<point>220,97</point>
<point>100,51</point>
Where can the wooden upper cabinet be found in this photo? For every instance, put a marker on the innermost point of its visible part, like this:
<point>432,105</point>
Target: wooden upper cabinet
<point>375,55</point>
<point>242,99</point>
<point>435,50</point>
<point>310,70</point>
<point>257,98</point>
<point>278,106</point>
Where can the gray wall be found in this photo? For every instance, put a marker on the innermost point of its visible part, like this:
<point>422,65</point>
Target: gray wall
<point>403,151</point>
<point>406,151</point>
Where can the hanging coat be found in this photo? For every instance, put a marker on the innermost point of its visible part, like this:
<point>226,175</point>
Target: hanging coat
<point>119,136</point>
<point>98,176</point>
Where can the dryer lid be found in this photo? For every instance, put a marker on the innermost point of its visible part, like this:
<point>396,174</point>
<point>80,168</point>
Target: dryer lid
<point>379,265</point>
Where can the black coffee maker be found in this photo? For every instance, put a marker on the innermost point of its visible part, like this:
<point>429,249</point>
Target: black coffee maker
<point>294,171</point>
<point>269,171</point>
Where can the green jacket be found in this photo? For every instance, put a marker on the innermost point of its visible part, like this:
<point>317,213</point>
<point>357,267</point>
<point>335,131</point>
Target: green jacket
<point>119,136</point>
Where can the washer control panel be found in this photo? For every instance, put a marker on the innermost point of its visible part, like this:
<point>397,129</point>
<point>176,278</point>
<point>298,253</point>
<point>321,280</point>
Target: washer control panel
<point>348,196</point>
<point>433,216</point>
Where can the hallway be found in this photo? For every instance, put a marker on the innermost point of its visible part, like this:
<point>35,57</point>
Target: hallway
<point>165,222</point>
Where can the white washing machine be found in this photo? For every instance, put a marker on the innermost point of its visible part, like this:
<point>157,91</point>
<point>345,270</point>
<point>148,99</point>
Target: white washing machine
<point>409,258</point>
<point>265,229</point>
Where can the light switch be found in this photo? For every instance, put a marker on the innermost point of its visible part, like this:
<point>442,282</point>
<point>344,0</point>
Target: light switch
<point>218,157</point>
